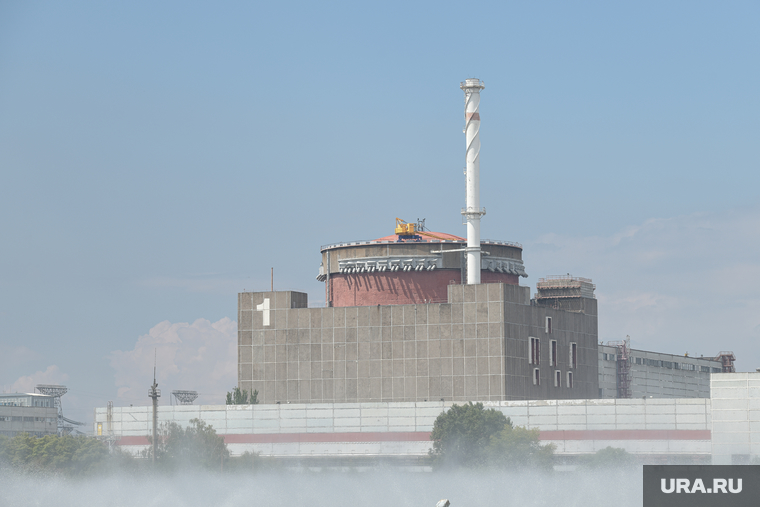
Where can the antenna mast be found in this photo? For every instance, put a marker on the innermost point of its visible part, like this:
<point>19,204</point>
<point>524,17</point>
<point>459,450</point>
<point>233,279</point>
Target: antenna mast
<point>154,394</point>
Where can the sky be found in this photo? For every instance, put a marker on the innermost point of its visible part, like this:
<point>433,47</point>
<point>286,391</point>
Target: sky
<point>158,158</point>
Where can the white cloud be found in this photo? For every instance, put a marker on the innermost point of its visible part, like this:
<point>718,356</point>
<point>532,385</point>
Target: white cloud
<point>201,356</point>
<point>52,375</point>
<point>686,283</point>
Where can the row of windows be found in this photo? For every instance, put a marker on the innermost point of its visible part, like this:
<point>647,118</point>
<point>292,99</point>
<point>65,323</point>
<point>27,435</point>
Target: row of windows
<point>24,402</point>
<point>534,354</point>
<point>18,418</point>
<point>557,378</point>
<point>665,364</point>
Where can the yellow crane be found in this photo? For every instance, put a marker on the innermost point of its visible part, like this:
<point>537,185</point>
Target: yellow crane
<point>406,230</point>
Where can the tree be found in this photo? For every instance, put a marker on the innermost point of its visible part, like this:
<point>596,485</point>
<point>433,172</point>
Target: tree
<point>238,397</point>
<point>69,455</point>
<point>473,436</point>
<point>609,457</point>
<point>198,445</point>
<point>461,436</point>
<point>520,447</point>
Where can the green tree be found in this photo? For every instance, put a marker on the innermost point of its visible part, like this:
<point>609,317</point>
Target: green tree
<point>609,457</point>
<point>238,397</point>
<point>197,446</point>
<point>68,455</point>
<point>462,435</point>
<point>520,447</point>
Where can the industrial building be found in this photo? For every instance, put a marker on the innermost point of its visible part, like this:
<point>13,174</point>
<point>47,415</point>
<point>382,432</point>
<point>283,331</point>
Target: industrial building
<point>419,320</point>
<point>35,414</point>
<point>419,316</point>
<point>631,373</point>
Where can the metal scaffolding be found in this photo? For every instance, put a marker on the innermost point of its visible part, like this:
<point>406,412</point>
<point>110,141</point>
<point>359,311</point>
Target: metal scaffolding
<point>623,367</point>
<point>726,358</point>
<point>65,426</point>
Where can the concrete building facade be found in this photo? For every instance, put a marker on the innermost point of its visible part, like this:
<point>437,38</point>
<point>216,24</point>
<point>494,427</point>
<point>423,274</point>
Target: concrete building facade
<point>35,414</point>
<point>488,342</point>
<point>657,375</point>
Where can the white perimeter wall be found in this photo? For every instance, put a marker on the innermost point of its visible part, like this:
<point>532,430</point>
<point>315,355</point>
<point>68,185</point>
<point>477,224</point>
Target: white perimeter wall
<point>736,417</point>
<point>637,425</point>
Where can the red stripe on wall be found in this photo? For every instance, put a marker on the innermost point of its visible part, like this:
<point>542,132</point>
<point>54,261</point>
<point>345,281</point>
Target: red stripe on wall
<point>424,436</point>
<point>626,435</point>
<point>133,441</point>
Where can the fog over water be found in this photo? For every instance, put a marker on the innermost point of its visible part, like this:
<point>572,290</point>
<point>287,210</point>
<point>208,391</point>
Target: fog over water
<point>330,489</point>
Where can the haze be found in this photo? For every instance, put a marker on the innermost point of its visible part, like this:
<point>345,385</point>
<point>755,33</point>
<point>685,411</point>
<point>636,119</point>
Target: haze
<point>156,159</point>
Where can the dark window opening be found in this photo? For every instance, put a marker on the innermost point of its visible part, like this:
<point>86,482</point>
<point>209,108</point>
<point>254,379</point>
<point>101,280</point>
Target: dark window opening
<point>535,351</point>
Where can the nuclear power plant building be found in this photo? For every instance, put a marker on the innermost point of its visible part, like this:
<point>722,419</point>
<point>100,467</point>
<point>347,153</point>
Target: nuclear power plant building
<point>402,327</point>
<point>420,316</point>
<point>417,321</point>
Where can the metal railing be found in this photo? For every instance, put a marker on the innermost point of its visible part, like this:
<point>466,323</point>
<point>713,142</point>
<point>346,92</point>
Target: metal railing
<point>424,240</point>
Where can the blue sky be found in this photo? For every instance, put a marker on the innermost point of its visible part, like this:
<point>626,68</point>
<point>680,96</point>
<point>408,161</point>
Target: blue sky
<point>156,159</point>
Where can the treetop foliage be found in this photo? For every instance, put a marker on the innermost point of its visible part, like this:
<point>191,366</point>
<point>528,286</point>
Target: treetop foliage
<point>520,447</point>
<point>470,435</point>
<point>68,455</point>
<point>238,397</point>
<point>198,445</point>
<point>463,433</point>
<point>609,457</point>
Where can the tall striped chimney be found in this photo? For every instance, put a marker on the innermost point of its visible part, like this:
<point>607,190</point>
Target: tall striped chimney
<point>472,212</point>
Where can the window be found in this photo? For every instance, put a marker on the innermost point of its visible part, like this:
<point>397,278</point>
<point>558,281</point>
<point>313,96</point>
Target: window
<point>536,378</point>
<point>535,351</point>
<point>573,355</point>
<point>717,370</point>
<point>557,378</point>
<point>705,369</point>
<point>570,380</point>
<point>548,324</point>
<point>553,353</point>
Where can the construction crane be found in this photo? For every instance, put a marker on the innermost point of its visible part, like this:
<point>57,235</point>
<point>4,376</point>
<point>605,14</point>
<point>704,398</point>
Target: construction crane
<point>414,232</point>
